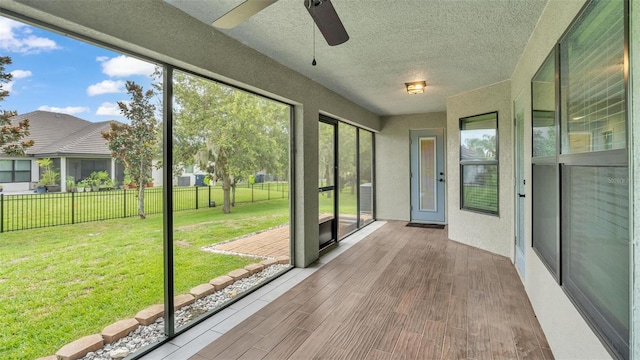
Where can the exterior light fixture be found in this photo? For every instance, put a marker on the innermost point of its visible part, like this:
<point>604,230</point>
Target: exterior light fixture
<point>416,87</point>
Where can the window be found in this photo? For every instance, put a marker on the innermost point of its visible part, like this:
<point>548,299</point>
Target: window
<point>581,181</point>
<point>545,165</point>
<point>479,163</point>
<point>15,171</point>
<point>123,272</point>
<point>594,174</point>
<point>365,156</point>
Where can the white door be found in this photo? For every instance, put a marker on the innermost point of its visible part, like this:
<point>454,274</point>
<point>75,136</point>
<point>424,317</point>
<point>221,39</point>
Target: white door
<point>427,176</point>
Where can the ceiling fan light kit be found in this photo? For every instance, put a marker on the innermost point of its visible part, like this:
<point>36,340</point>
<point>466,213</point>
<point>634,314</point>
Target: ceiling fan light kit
<point>416,87</point>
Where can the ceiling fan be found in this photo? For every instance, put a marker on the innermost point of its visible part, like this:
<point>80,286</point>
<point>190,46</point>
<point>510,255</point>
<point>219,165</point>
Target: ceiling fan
<point>322,12</point>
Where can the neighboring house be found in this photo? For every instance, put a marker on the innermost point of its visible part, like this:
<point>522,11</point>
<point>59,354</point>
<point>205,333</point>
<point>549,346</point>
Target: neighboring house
<point>75,145</point>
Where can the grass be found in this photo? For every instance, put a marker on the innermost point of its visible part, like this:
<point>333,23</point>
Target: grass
<point>42,210</point>
<point>60,283</point>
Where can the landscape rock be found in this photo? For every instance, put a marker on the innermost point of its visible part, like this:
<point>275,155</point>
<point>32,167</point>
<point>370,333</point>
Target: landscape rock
<point>119,353</point>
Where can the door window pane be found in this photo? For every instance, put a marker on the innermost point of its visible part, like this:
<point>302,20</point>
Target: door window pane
<point>428,181</point>
<point>326,154</point>
<point>347,180</point>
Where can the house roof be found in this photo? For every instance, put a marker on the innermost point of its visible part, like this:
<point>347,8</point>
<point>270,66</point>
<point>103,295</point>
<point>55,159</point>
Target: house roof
<point>56,134</point>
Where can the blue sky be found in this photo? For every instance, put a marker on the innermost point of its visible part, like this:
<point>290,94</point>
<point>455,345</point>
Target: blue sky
<point>56,73</point>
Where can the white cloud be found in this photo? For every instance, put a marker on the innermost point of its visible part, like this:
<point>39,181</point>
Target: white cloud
<point>108,109</point>
<point>71,110</point>
<point>106,87</point>
<point>8,86</point>
<point>123,66</point>
<point>102,58</point>
<point>17,74</point>
<point>18,38</point>
<point>21,74</point>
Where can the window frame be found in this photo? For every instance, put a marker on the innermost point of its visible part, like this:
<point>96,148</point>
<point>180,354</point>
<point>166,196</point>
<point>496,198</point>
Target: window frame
<point>495,162</point>
<point>13,171</point>
<point>549,160</point>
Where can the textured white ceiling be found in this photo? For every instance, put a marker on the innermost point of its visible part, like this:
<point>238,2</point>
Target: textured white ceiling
<point>454,45</point>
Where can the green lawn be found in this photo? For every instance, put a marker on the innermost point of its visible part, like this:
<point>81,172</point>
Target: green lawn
<point>58,284</point>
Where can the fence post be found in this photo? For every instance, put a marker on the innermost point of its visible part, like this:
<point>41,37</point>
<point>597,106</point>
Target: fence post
<point>269,191</point>
<point>124,193</point>
<point>196,198</point>
<point>1,213</point>
<point>209,205</point>
<point>251,193</point>
<point>73,208</point>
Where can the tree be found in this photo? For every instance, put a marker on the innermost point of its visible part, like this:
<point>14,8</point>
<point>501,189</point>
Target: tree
<point>11,135</point>
<point>228,133</point>
<point>135,144</point>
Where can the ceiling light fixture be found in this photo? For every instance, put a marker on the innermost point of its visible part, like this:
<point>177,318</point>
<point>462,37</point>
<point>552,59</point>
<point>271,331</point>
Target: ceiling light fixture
<point>416,87</point>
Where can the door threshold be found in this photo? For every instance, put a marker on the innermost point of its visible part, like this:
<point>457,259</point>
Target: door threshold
<point>426,225</point>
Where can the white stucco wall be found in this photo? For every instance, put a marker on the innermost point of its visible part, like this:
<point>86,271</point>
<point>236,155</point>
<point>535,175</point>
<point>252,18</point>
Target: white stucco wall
<point>393,167</point>
<point>198,47</point>
<point>489,232</point>
<point>567,332</point>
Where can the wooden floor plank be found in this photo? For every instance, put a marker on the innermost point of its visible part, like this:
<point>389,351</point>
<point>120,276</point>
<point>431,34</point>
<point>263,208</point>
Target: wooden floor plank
<point>400,293</point>
<point>407,346</point>
<point>457,315</point>
<point>439,307</point>
<point>281,331</point>
<point>289,344</point>
<point>376,354</point>
<point>390,332</point>
<point>455,344</point>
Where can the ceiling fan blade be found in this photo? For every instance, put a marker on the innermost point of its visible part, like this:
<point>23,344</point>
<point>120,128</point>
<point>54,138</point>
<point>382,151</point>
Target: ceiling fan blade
<point>241,13</point>
<point>327,20</point>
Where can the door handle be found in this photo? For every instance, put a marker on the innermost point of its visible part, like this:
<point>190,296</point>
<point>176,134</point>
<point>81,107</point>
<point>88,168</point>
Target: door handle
<point>521,195</point>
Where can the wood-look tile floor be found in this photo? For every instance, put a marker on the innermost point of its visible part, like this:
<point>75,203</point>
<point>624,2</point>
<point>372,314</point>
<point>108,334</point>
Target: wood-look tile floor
<point>400,293</point>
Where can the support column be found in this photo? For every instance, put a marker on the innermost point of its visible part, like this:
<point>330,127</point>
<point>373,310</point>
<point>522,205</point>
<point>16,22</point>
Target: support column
<point>305,196</point>
<point>113,169</point>
<point>63,173</point>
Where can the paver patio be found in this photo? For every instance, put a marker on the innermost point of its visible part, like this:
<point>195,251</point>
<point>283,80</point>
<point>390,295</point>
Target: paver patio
<point>270,243</point>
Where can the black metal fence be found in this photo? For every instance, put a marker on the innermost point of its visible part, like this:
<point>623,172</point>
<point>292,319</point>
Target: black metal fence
<point>28,211</point>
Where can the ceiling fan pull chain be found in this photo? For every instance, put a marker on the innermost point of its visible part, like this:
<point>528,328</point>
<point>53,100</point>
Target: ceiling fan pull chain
<point>313,28</point>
